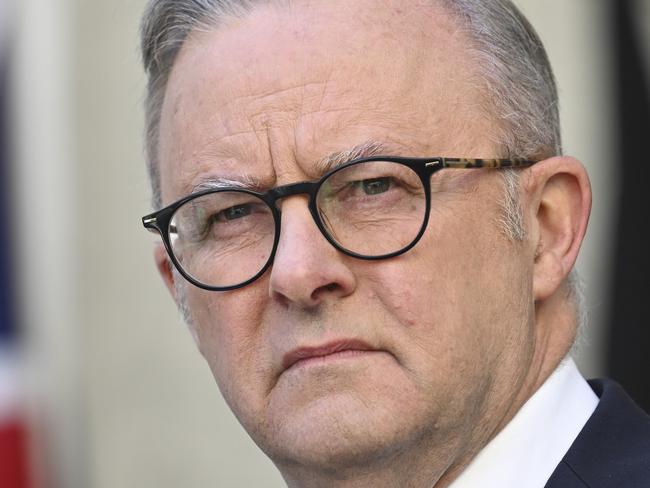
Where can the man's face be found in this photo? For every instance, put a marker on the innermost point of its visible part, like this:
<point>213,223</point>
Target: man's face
<point>436,339</point>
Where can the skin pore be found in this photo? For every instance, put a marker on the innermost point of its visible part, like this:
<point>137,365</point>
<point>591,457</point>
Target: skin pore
<point>458,332</point>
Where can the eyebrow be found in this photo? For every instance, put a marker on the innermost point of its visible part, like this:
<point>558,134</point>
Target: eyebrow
<point>363,150</point>
<point>212,182</point>
<point>323,165</point>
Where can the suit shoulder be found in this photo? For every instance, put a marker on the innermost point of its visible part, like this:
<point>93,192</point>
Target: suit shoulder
<point>613,448</point>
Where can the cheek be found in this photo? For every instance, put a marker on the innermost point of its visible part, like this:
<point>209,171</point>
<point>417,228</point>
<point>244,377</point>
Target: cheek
<point>458,291</point>
<point>228,332</point>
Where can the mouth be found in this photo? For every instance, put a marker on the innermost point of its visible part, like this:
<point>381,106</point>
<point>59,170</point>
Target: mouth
<point>337,350</point>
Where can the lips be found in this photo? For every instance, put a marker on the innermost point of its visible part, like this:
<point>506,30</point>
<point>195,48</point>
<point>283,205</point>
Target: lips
<point>333,348</point>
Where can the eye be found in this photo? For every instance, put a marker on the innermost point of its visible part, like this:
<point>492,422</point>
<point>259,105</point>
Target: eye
<point>235,212</point>
<point>375,185</point>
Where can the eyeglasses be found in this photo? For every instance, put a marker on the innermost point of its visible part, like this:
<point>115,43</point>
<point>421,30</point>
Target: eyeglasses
<point>370,208</point>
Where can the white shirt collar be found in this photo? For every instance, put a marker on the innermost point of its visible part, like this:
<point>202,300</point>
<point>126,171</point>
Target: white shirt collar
<point>527,451</point>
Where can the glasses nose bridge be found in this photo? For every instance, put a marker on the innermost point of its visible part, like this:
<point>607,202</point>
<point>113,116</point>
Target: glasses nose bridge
<point>303,187</point>
<point>283,191</point>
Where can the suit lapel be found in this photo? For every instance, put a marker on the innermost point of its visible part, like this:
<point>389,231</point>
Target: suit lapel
<point>612,450</point>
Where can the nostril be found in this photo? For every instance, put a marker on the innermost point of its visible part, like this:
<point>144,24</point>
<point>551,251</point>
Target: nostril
<point>325,290</point>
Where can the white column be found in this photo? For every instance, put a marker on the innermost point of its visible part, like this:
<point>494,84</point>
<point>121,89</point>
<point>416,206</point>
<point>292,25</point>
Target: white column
<point>46,215</point>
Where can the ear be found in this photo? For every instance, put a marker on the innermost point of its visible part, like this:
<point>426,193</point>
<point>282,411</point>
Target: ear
<point>560,203</point>
<point>164,266</point>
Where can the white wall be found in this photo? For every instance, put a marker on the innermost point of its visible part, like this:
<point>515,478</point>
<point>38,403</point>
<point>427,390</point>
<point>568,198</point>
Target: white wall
<point>125,398</point>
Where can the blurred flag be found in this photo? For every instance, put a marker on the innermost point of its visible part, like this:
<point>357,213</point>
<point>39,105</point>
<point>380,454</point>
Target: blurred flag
<point>14,465</point>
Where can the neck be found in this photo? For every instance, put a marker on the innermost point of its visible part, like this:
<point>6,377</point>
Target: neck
<point>555,330</point>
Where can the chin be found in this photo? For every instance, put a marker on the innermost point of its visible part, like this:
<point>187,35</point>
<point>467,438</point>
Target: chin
<point>340,433</point>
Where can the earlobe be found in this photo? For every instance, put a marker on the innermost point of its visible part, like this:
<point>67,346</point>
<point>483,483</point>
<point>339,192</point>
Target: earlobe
<point>165,268</point>
<point>561,201</point>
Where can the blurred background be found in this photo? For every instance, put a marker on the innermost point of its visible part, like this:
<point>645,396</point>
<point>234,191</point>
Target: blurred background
<point>100,383</point>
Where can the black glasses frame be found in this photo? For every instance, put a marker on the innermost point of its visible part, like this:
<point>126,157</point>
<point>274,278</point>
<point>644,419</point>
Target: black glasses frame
<point>159,221</point>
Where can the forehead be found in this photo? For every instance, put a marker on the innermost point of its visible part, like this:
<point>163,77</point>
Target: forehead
<point>300,80</point>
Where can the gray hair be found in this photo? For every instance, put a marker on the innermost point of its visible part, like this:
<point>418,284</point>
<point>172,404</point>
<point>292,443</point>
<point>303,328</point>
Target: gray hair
<point>519,82</point>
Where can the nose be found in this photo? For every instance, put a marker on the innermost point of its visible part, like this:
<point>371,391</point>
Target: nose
<point>307,270</point>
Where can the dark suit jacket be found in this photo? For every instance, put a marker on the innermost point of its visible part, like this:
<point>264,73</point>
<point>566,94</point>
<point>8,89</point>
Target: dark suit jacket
<point>613,448</point>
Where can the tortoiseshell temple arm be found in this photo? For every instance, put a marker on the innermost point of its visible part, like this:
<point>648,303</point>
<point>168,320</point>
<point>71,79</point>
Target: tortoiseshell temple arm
<point>466,163</point>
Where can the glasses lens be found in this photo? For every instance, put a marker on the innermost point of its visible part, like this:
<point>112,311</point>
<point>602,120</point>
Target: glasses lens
<point>373,208</point>
<point>224,238</point>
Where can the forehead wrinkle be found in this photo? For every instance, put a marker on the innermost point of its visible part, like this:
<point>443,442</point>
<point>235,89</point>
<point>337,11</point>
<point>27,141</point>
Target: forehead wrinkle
<point>227,146</point>
<point>301,86</point>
